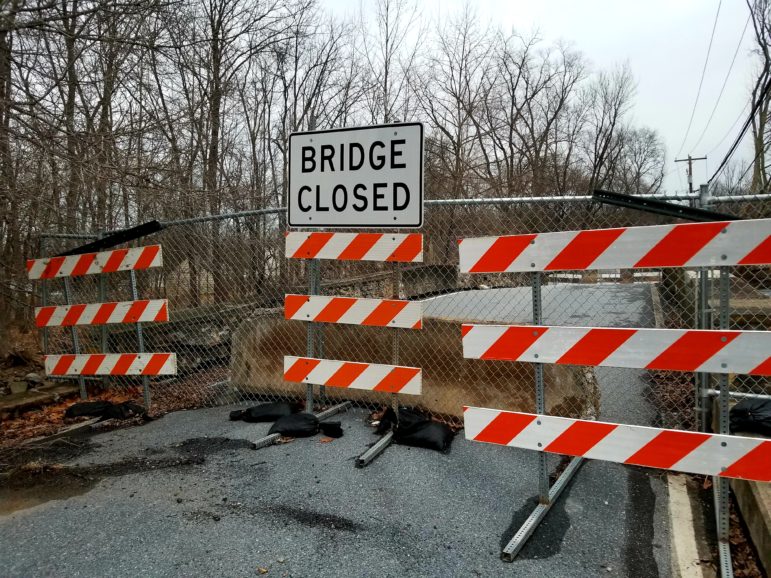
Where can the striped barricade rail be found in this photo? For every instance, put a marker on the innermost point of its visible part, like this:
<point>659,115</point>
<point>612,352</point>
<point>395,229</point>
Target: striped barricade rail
<point>140,311</point>
<point>747,352</point>
<point>349,374</point>
<point>94,263</point>
<point>686,245</point>
<point>684,451</point>
<point>111,364</point>
<point>354,311</point>
<point>389,247</point>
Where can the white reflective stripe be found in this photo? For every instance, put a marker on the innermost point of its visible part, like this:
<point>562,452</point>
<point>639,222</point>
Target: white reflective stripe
<point>68,265</point>
<point>542,430</point>
<point>90,312</point>
<point>642,347</point>
<point>58,316</point>
<point>711,456</point>
<point>472,249</point>
<point>553,344</point>
<point>409,316</point>
<point>628,249</point>
<point>109,362</point>
<point>414,386</point>
<point>294,241</point>
<point>476,419</point>
<point>311,308</point>
<point>631,246</point>
<point>622,443</point>
<point>381,250</point>
<point>358,312</point>
<point>36,271</point>
<point>371,376</point>
<point>741,355</point>
<point>80,361</point>
<point>480,338</point>
<point>542,251</point>
<point>322,372</point>
<point>71,262</point>
<point>739,239</point>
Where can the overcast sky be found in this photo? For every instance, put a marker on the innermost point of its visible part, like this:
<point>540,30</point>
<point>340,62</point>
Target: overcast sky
<point>664,41</point>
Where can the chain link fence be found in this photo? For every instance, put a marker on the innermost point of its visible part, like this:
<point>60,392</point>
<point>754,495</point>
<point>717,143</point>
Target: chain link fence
<point>226,276</point>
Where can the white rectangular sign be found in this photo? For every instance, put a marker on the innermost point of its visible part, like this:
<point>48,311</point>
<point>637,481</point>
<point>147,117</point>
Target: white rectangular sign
<point>363,177</point>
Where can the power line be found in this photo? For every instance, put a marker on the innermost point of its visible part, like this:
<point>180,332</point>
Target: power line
<point>730,130</point>
<point>743,131</point>
<point>725,81</point>
<point>701,82</point>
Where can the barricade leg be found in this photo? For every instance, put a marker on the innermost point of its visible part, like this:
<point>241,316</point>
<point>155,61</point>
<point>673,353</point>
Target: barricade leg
<point>513,548</point>
<point>546,495</point>
<point>380,446</point>
<point>377,448</point>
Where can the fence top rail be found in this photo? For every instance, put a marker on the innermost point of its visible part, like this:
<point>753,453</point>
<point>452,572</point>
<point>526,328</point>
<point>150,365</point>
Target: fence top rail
<point>720,243</point>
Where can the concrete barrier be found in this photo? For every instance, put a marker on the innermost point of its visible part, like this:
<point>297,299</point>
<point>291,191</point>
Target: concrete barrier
<point>449,381</point>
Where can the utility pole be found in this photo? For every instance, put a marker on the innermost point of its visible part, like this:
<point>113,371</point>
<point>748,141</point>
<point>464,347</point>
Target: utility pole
<point>690,160</point>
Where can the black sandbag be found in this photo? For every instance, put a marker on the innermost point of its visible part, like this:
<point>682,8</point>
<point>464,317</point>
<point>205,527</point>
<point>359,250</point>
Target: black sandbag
<point>430,434</point>
<point>264,412</point>
<point>332,429</point>
<point>298,425</point>
<point>106,410</point>
<point>417,429</point>
<point>125,410</point>
<point>87,409</point>
<point>752,416</point>
<point>407,419</point>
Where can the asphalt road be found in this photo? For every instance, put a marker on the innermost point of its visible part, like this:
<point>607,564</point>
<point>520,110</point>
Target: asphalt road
<point>623,391</point>
<point>303,510</point>
<point>185,495</point>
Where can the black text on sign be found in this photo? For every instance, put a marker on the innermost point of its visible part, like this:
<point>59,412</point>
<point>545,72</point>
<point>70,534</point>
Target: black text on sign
<point>357,177</point>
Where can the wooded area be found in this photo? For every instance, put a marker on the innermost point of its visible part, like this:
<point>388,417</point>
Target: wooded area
<point>113,112</point>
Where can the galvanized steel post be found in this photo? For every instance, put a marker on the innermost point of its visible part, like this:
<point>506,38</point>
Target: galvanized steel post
<point>722,488</point>
<point>140,341</point>
<point>540,393</point>
<point>74,334</point>
<point>314,274</point>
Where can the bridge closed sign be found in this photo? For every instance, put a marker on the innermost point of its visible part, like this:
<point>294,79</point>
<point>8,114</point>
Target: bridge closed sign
<point>363,177</point>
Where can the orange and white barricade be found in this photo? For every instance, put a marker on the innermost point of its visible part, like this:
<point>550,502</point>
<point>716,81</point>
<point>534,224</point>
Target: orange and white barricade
<point>723,352</point>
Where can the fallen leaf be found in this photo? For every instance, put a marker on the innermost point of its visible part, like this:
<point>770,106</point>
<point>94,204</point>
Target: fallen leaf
<point>326,440</point>
<point>262,570</point>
